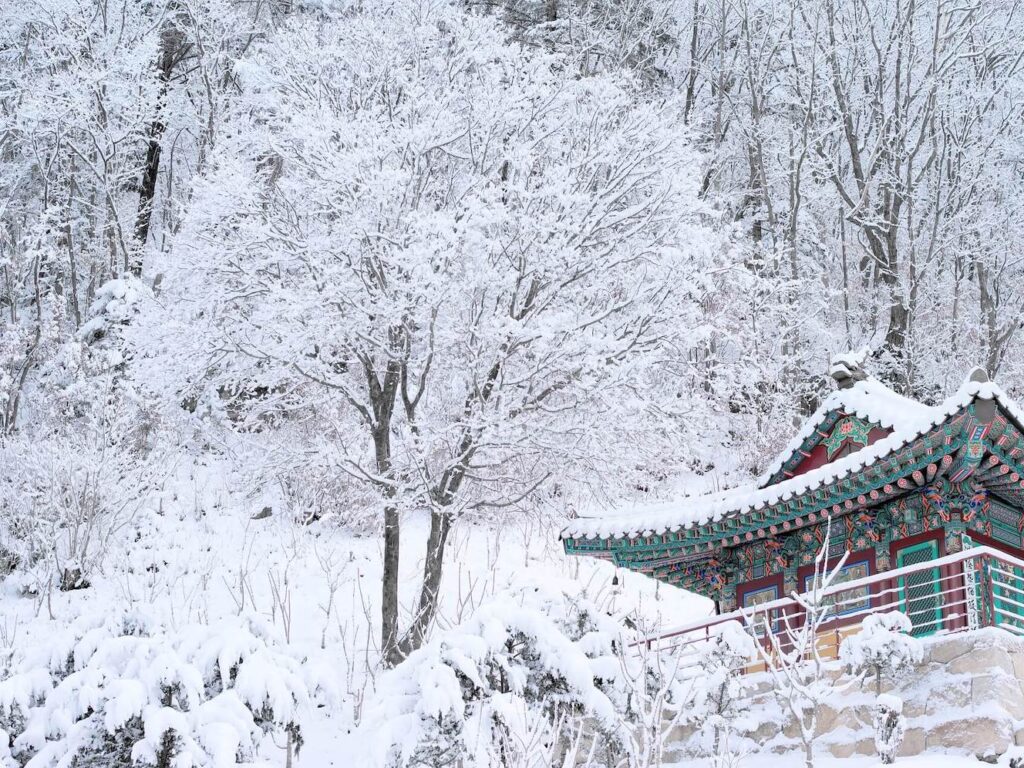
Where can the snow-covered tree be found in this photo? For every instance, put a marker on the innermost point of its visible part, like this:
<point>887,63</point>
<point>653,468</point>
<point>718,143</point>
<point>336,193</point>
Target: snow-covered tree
<point>889,725</point>
<point>883,647</point>
<point>863,157</point>
<point>461,257</point>
<point>790,650</point>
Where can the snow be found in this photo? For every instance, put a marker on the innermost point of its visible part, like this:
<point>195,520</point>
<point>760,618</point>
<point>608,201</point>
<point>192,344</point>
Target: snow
<point>883,645</point>
<point>182,567</point>
<point>869,398</point>
<point>851,360</point>
<point>528,217</point>
<point>128,669</point>
<point>116,302</point>
<point>930,760</point>
<point>890,702</point>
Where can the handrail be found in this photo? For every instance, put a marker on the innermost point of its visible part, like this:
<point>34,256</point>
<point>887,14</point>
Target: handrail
<point>846,586</point>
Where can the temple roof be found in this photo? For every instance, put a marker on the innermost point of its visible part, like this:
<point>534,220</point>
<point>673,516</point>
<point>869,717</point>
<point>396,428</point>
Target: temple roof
<point>870,400</point>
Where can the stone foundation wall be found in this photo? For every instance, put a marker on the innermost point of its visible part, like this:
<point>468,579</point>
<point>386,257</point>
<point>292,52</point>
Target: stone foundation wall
<point>966,696</point>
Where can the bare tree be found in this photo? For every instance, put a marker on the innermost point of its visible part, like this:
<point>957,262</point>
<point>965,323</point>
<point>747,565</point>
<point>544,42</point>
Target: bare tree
<point>789,647</point>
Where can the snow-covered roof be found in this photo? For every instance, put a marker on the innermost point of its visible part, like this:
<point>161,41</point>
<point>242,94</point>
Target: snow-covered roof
<point>869,400</point>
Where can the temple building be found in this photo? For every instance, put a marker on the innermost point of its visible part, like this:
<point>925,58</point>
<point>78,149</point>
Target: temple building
<point>895,482</point>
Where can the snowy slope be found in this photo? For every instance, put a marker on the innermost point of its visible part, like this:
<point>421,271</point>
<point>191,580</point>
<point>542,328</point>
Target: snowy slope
<point>193,554</point>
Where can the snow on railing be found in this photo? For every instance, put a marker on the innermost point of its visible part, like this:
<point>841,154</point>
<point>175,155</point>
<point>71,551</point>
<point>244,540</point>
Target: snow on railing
<point>979,587</point>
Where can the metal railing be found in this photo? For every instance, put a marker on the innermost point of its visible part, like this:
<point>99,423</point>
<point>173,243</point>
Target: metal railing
<point>979,587</point>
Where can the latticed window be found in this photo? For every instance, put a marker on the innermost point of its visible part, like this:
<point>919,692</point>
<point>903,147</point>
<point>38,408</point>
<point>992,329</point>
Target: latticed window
<point>920,591</point>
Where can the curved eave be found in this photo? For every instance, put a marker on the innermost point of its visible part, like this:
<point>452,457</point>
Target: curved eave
<point>800,496</point>
<point>906,468</point>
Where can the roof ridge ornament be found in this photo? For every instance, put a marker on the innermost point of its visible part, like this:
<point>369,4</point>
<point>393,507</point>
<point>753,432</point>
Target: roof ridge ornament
<point>848,368</point>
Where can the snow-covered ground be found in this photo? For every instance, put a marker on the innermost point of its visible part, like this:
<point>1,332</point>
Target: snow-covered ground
<point>506,262</point>
<point>193,554</point>
<point>200,551</point>
<point>931,760</point>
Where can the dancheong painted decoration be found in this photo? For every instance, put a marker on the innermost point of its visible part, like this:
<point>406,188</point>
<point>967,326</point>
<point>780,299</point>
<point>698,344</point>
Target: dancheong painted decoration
<point>895,482</point>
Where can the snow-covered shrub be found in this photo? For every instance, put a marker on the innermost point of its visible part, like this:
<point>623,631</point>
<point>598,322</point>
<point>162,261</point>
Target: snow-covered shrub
<point>123,691</point>
<point>532,660</point>
<point>883,647</point>
<point>130,413</point>
<point>889,726</point>
<point>65,499</point>
<point>719,693</point>
<point>117,302</point>
<point>78,464</point>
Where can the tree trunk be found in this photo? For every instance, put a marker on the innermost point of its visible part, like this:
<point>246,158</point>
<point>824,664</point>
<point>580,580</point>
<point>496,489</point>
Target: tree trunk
<point>389,587</point>
<point>392,542</point>
<point>382,397</point>
<point>169,52</point>
<point>440,525</point>
<point>692,73</point>
<point>995,337</point>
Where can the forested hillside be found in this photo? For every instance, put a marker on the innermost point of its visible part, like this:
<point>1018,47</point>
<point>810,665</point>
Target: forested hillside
<point>318,320</point>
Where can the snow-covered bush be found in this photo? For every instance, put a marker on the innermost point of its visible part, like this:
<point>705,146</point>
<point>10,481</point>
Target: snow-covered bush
<point>883,647</point>
<point>534,661</point>
<point>76,481</point>
<point>130,412</point>
<point>719,694</point>
<point>61,505</point>
<point>117,302</point>
<point>889,726</point>
<point>123,691</point>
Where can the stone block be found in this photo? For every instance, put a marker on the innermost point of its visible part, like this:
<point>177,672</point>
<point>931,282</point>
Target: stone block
<point>764,732</point>
<point>945,650</point>
<point>999,689</point>
<point>954,694</point>
<point>913,742</point>
<point>914,708</point>
<point>843,749</point>
<point>862,717</point>
<point>848,747</point>
<point>865,747</point>
<point>982,660</point>
<point>681,733</point>
<point>977,735</point>
<point>828,718</point>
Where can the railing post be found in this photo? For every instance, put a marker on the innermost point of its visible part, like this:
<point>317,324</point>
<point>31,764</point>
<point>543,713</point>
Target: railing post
<point>972,596</point>
<point>989,591</point>
<point>970,577</point>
